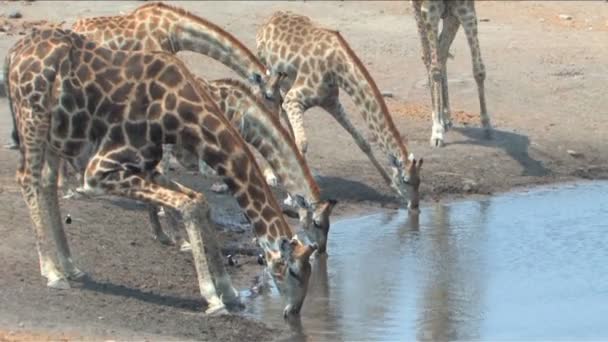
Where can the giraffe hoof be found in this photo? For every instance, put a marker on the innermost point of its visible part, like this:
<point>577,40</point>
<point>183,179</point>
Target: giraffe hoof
<point>488,134</point>
<point>217,310</point>
<point>437,142</point>
<point>11,146</point>
<point>164,239</point>
<point>59,283</point>
<point>76,275</point>
<point>448,125</point>
<point>185,247</point>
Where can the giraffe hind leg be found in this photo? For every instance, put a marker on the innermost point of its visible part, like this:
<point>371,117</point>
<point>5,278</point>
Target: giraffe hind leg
<point>335,108</point>
<point>154,188</point>
<point>448,33</point>
<point>469,24</point>
<point>29,177</point>
<point>430,15</point>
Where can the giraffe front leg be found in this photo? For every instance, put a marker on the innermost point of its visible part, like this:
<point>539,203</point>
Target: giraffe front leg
<point>214,282</point>
<point>157,230</point>
<point>295,112</point>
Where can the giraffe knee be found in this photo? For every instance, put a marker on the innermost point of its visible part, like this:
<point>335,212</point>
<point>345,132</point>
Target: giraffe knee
<point>436,74</point>
<point>479,73</point>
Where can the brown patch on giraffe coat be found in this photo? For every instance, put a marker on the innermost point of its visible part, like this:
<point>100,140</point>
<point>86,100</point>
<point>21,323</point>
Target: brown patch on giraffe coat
<point>170,101</point>
<point>170,122</point>
<point>154,111</point>
<point>188,112</point>
<point>171,76</point>
<point>214,158</point>
<point>122,93</point>
<point>134,68</point>
<point>80,123</point>
<point>97,130</point>
<point>156,90</point>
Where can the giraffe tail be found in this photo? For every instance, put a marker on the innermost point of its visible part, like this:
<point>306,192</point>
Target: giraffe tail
<point>7,90</point>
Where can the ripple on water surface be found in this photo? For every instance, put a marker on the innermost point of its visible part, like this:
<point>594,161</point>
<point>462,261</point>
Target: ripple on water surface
<point>519,266</point>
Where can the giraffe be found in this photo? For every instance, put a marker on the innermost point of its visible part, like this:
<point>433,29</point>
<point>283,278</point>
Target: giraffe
<point>318,62</point>
<point>156,23</point>
<point>111,111</point>
<point>435,52</point>
<point>160,27</point>
<point>261,129</point>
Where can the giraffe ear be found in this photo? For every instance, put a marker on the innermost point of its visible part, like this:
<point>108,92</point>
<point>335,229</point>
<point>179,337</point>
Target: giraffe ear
<point>394,161</point>
<point>301,202</point>
<point>256,78</point>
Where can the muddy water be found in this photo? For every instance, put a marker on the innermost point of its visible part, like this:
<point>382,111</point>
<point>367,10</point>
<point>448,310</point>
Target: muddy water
<point>530,265</point>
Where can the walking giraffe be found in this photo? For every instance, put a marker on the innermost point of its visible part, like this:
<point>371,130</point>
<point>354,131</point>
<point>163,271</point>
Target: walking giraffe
<point>78,101</point>
<point>435,51</point>
<point>318,62</point>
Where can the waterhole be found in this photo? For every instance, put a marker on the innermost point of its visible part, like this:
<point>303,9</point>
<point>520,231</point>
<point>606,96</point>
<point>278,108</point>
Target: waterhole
<point>521,266</point>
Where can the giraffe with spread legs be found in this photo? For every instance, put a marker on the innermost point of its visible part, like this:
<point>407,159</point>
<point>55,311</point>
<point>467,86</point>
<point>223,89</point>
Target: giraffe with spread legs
<point>435,52</point>
<point>318,62</point>
<point>78,101</point>
<point>261,129</point>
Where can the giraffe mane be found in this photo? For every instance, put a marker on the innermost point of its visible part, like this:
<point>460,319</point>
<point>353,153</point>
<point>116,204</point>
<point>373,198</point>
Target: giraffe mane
<point>368,78</point>
<point>182,12</point>
<point>273,117</point>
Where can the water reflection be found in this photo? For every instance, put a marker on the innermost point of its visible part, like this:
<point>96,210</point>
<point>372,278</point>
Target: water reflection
<point>465,270</point>
<point>450,304</point>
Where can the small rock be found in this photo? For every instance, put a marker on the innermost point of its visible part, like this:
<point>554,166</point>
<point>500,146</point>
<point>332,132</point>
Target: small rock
<point>21,324</point>
<point>565,17</point>
<point>469,185</point>
<point>484,20</point>
<point>232,261</point>
<point>542,20</point>
<point>575,154</point>
<point>387,94</point>
<point>68,219</point>
<point>14,14</point>
<point>219,188</point>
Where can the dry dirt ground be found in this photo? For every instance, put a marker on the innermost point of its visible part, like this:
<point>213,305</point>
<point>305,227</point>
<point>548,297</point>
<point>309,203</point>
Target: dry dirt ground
<point>546,90</point>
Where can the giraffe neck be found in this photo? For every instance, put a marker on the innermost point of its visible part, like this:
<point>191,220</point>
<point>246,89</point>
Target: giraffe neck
<point>353,77</point>
<point>192,33</point>
<point>260,128</point>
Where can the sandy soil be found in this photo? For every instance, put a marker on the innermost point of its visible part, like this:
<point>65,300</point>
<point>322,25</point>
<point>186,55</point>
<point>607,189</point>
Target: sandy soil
<point>546,88</point>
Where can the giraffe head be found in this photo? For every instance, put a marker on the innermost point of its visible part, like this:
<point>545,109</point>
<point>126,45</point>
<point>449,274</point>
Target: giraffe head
<point>314,218</point>
<point>406,180</point>
<point>291,271</point>
<point>269,88</point>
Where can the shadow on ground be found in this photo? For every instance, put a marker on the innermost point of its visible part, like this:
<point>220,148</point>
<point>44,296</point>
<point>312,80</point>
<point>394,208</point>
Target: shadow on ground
<point>515,145</point>
<point>191,304</point>
<point>348,190</point>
